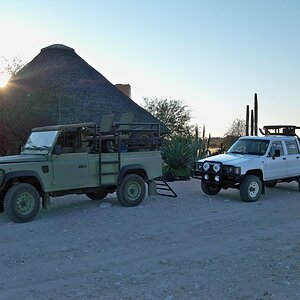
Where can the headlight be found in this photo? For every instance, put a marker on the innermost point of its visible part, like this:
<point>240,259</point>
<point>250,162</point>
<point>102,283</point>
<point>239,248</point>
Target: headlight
<point>216,168</point>
<point>206,166</point>
<point>231,170</point>
<point>198,166</point>
<point>228,169</point>
<point>2,175</point>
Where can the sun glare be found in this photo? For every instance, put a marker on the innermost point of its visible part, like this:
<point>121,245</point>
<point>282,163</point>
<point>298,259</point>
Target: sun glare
<point>3,80</point>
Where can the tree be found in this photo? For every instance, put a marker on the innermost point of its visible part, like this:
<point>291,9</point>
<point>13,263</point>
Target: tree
<point>11,136</point>
<point>14,67</point>
<point>173,113</point>
<point>236,130</point>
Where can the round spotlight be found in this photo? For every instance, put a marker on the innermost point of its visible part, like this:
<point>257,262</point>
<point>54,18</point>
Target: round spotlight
<point>217,178</point>
<point>206,177</point>
<point>216,167</point>
<point>206,166</point>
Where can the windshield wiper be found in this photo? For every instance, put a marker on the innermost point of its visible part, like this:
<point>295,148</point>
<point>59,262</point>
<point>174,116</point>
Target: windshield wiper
<point>253,153</point>
<point>236,152</point>
<point>33,147</point>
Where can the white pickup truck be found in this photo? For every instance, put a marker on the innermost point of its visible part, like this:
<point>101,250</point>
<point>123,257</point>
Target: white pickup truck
<point>251,164</point>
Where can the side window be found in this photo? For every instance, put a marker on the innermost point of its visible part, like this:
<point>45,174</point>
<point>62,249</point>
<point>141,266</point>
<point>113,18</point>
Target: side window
<point>276,145</point>
<point>292,147</point>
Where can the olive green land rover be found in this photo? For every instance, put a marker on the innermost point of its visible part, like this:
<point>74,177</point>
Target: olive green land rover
<point>79,159</point>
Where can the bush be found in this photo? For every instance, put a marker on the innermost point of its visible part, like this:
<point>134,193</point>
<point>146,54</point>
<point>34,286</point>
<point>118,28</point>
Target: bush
<point>177,155</point>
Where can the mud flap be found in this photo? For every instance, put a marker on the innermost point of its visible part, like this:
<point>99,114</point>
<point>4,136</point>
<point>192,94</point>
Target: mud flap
<point>46,201</point>
<point>152,190</point>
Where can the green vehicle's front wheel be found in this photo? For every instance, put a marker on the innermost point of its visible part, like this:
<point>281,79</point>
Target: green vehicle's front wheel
<point>22,202</point>
<point>132,190</point>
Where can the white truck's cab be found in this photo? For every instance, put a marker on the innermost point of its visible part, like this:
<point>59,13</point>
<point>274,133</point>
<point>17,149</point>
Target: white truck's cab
<point>251,164</point>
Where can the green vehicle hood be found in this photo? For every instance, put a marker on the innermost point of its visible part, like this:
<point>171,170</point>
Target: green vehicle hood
<point>22,159</point>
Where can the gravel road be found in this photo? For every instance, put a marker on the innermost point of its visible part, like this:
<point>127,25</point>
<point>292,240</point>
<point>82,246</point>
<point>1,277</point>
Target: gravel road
<point>191,247</point>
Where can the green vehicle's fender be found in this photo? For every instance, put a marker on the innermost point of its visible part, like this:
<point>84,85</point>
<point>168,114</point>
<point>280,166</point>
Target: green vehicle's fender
<point>137,169</point>
<point>22,174</point>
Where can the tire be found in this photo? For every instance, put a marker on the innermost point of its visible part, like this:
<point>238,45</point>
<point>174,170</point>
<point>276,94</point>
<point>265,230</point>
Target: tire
<point>132,190</point>
<point>22,203</point>
<point>98,195</point>
<point>210,188</point>
<point>271,183</point>
<point>251,188</point>
<point>145,140</point>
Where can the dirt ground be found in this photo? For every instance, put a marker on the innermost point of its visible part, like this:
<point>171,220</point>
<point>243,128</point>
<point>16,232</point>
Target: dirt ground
<point>192,247</point>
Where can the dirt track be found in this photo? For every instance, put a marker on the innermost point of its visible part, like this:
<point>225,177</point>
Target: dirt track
<point>191,247</point>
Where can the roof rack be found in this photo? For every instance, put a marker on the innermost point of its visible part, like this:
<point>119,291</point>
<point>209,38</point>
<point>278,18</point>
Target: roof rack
<point>280,130</point>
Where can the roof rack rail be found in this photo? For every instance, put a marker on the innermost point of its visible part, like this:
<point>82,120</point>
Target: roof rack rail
<point>280,130</point>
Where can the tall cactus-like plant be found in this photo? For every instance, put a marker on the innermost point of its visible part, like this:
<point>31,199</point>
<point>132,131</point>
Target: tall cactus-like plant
<point>197,145</point>
<point>208,145</point>
<point>255,115</point>
<point>201,146</point>
<point>252,122</point>
<point>247,120</point>
<point>253,118</point>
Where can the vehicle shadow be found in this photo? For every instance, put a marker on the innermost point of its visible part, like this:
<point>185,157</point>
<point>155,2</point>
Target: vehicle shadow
<point>74,205</point>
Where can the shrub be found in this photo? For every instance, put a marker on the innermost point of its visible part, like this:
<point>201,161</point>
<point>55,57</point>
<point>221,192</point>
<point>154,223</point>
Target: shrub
<point>177,154</point>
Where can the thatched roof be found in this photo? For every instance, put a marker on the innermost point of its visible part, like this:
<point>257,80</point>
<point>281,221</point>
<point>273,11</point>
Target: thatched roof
<point>59,87</point>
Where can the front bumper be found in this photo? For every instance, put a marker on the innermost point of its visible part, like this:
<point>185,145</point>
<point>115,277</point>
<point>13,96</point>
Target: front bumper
<point>223,179</point>
<point>217,173</point>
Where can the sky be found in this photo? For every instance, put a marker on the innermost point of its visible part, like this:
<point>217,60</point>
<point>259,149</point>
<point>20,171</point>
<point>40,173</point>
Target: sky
<point>211,54</point>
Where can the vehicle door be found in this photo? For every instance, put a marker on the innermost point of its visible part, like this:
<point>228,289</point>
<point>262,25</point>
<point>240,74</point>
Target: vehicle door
<point>70,170</point>
<point>276,167</point>
<point>293,158</point>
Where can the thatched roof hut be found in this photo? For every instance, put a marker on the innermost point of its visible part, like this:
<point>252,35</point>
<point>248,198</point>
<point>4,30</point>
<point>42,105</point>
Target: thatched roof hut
<point>59,87</point>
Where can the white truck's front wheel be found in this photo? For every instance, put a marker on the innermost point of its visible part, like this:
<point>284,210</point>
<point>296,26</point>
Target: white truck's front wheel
<point>210,188</point>
<point>251,188</point>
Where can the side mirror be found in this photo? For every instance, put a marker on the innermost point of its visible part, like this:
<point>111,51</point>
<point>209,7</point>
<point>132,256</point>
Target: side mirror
<point>276,153</point>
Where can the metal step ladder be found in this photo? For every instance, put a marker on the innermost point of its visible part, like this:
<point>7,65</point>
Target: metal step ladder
<point>162,185</point>
<point>116,161</point>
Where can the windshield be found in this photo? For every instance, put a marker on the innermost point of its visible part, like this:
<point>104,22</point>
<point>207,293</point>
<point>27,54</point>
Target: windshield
<point>249,146</point>
<point>40,142</point>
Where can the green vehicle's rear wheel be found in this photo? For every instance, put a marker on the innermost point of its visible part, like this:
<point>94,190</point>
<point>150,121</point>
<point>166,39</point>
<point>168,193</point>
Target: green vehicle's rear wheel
<point>22,202</point>
<point>132,190</point>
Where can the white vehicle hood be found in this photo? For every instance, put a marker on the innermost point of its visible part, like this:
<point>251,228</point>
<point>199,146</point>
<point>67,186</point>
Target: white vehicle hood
<point>231,159</point>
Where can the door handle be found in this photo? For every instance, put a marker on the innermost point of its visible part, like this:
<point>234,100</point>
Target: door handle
<point>82,166</point>
<point>284,158</point>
